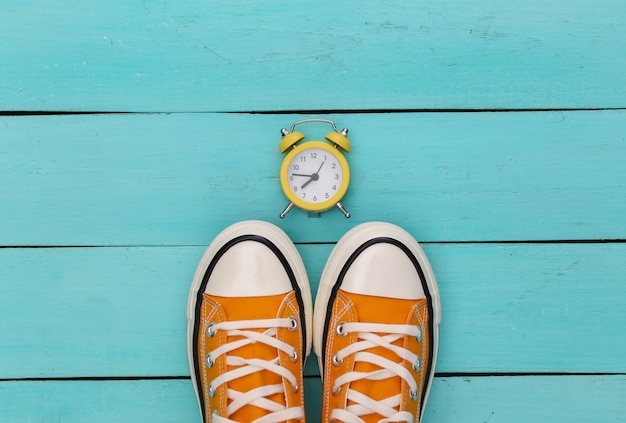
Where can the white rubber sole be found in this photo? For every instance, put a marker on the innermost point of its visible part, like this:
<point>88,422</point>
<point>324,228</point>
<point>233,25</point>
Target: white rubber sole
<point>279,238</point>
<point>347,245</point>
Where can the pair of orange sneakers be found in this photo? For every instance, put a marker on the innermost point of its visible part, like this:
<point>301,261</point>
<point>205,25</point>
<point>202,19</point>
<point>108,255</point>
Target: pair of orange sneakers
<point>374,328</point>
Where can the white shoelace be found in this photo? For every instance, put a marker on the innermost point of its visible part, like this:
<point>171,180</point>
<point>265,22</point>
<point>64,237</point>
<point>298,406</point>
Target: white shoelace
<point>243,367</point>
<point>368,338</point>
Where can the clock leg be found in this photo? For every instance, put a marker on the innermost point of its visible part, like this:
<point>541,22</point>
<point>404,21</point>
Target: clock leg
<point>287,210</point>
<point>343,210</point>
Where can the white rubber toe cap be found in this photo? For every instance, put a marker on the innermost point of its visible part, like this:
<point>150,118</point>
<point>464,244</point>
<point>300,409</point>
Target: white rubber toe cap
<point>383,270</point>
<point>248,269</point>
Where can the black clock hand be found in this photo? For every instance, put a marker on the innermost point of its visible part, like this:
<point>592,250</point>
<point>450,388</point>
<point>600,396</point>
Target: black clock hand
<point>320,168</point>
<point>300,174</point>
<point>314,177</point>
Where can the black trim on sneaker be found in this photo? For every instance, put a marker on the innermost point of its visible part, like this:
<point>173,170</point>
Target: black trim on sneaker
<point>342,274</point>
<point>199,294</point>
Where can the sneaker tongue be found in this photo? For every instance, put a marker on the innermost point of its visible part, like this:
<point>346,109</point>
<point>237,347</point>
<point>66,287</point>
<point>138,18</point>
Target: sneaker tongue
<point>374,309</point>
<point>253,308</point>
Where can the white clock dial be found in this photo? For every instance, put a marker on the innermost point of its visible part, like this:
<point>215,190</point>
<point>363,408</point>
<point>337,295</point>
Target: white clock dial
<point>315,175</point>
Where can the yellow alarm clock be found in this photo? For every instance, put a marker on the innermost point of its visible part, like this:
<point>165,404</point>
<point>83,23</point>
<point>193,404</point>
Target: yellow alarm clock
<point>315,174</point>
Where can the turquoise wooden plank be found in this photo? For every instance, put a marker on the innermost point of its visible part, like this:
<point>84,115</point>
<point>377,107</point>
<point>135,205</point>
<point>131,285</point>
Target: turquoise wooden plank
<point>98,401</point>
<point>111,312</point>
<point>177,179</point>
<point>94,312</point>
<point>571,399</point>
<point>282,55</point>
<point>530,308</point>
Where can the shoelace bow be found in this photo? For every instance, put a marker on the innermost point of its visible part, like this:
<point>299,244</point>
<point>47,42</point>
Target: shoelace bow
<point>257,396</point>
<point>368,338</point>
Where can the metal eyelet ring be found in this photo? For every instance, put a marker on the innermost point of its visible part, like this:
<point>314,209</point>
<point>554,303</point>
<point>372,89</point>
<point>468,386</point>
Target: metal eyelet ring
<point>294,323</point>
<point>337,361</point>
<point>413,395</point>
<point>340,331</point>
<point>211,391</point>
<point>294,357</point>
<point>210,330</point>
<point>215,413</point>
<point>418,337</point>
<point>418,365</point>
<point>209,360</point>
<point>295,387</point>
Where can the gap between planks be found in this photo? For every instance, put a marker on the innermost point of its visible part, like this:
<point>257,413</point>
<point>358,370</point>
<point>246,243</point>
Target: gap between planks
<point>437,375</point>
<point>547,241</point>
<point>309,112</point>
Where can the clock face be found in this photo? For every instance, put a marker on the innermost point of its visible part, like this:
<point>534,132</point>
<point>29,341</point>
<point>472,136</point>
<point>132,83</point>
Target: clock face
<point>316,176</point>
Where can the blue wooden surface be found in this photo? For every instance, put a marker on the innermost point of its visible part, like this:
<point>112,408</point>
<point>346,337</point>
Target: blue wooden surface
<point>104,216</point>
<point>121,311</point>
<point>177,179</point>
<point>165,56</point>
<point>499,399</point>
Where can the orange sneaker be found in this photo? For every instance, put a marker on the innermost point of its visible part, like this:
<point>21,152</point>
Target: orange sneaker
<point>375,327</point>
<point>248,332</point>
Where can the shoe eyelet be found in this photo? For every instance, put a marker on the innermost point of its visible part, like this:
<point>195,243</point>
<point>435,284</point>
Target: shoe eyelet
<point>295,387</point>
<point>336,361</point>
<point>418,337</point>
<point>340,331</point>
<point>211,391</point>
<point>215,413</point>
<point>294,357</point>
<point>336,390</point>
<point>210,330</point>
<point>418,365</point>
<point>294,323</point>
<point>413,395</point>
<point>209,360</point>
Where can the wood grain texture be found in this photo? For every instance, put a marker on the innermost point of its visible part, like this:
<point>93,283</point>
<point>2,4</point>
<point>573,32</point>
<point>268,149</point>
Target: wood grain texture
<point>314,55</point>
<point>119,312</point>
<point>495,133</point>
<point>566,399</point>
<point>178,179</point>
<point>98,401</point>
<point>574,399</point>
